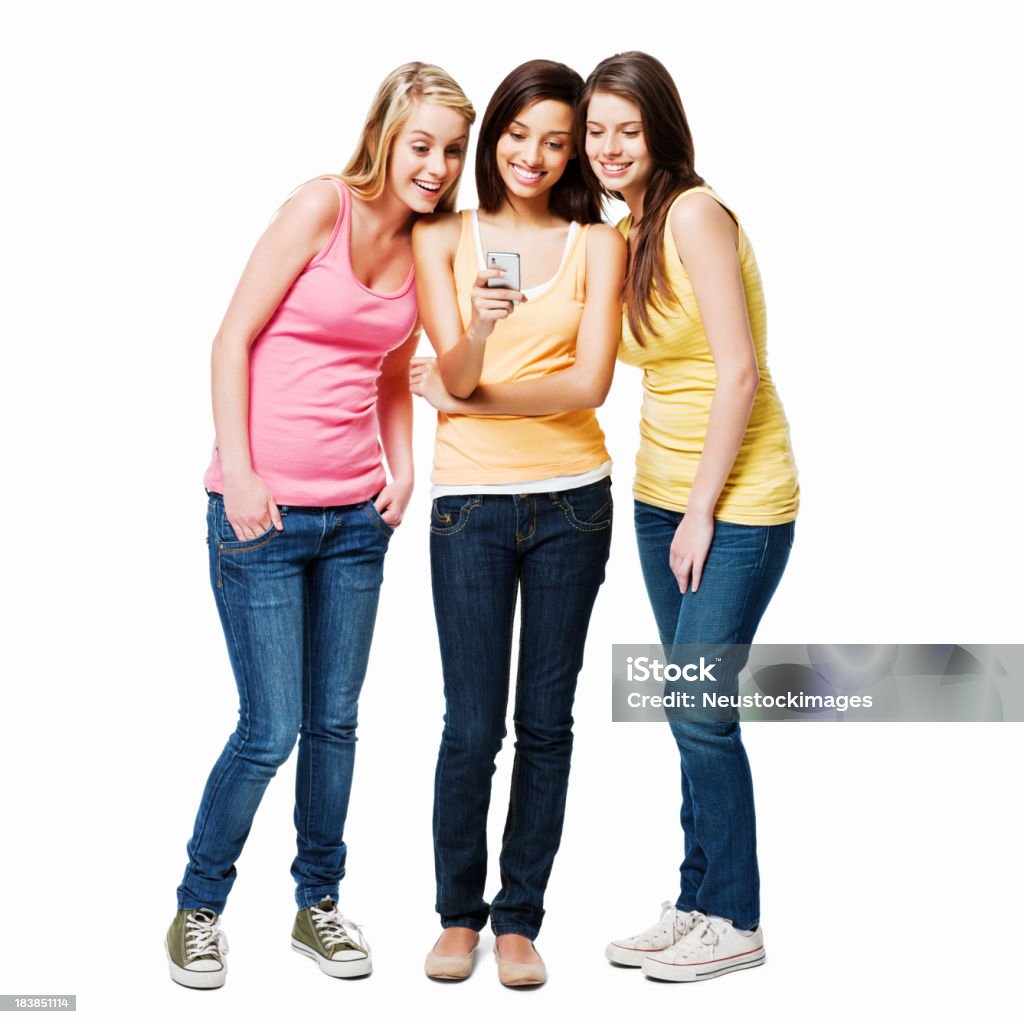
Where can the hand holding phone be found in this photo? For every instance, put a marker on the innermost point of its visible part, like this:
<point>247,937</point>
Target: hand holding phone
<point>496,293</point>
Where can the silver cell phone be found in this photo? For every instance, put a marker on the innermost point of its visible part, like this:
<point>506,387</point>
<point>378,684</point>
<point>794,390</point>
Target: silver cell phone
<point>508,264</point>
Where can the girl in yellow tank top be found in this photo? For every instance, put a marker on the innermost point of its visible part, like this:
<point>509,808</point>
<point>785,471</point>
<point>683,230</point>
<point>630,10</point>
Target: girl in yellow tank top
<point>716,489</point>
<point>522,500</point>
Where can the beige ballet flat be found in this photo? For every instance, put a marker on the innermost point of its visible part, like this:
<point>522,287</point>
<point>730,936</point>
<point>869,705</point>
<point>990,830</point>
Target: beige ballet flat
<point>514,974</point>
<point>450,968</point>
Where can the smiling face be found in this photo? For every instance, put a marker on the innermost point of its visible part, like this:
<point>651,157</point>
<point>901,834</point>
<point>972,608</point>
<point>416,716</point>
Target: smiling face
<point>534,150</point>
<point>427,155</point>
<point>616,145</point>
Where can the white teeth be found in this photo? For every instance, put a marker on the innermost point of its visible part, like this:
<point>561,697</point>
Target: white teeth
<point>522,172</point>
<point>615,167</point>
<point>430,186</point>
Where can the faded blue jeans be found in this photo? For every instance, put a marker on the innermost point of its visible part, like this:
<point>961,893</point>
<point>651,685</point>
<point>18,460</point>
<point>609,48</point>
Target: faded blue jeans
<point>484,551</point>
<point>298,609</point>
<point>719,873</point>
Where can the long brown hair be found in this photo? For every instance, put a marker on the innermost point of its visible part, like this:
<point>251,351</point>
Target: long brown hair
<point>571,198</point>
<point>644,81</point>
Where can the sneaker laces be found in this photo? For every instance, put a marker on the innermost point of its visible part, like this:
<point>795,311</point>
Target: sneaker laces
<point>337,931</point>
<point>203,937</point>
<point>706,931</point>
<point>677,929</point>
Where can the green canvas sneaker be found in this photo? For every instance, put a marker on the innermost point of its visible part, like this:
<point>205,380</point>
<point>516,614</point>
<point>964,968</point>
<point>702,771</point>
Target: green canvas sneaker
<point>195,949</point>
<point>337,945</point>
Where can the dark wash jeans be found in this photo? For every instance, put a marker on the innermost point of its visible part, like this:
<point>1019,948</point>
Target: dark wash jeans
<point>719,872</point>
<point>484,551</point>
<point>298,609</point>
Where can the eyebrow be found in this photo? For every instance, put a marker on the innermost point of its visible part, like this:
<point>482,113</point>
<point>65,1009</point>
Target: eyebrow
<point>528,128</point>
<point>621,124</point>
<point>427,135</point>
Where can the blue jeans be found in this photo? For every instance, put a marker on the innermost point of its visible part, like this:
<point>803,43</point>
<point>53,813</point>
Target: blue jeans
<point>298,609</point>
<point>744,565</point>
<point>484,550</point>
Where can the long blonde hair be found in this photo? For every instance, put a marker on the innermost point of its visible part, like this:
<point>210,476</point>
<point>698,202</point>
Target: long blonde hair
<point>366,171</point>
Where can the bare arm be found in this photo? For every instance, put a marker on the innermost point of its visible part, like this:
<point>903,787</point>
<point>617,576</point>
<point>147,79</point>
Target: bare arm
<point>585,384</point>
<point>300,230</point>
<point>706,238</point>
<point>394,412</point>
<point>460,351</point>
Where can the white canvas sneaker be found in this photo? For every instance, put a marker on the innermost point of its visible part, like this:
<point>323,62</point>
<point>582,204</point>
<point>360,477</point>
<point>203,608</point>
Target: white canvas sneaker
<point>710,948</point>
<point>667,930</point>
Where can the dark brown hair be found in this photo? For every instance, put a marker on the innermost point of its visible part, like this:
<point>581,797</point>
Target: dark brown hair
<point>644,81</point>
<point>570,197</point>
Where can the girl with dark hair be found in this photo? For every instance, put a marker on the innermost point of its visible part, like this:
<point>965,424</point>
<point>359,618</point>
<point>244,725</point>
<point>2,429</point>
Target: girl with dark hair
<point>309,396</point>
<point>716,490</point>
<point>522,498</point>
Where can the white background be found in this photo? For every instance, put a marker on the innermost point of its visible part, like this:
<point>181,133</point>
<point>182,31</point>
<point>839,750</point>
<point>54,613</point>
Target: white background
<point>872,152</point>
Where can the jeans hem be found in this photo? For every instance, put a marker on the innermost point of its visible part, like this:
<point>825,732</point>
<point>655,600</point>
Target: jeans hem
<point>305,902</point>
<point>739,927</point>
<point>515,929</point>
<point>216,907</point>
<point>462,922</point>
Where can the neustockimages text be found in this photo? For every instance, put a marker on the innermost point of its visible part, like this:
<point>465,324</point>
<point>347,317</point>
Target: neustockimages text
<point>797,701</point>
<point>644,670</point>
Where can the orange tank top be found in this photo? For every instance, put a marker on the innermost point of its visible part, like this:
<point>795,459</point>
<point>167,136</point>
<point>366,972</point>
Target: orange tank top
<point>537,339</point>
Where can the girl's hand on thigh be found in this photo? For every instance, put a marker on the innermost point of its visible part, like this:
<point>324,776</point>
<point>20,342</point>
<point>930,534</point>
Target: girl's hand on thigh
<point>392,501</point>
<point>250,507</point>
<point>690,548</point>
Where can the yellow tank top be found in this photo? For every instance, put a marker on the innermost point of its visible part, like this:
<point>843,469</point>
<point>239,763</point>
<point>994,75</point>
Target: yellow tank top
<point>537,339</point>
<point>679,383</point>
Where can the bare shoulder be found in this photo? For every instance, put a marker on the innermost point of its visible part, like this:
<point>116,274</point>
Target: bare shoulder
<point>699,218</point>
<point>311,207</point>
<point>437,225</point>
<point>604,240</point>
<point>438,232</point>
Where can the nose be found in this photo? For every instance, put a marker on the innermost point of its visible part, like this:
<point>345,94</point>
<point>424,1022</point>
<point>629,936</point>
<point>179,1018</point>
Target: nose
<point>436,164</point>
<point>612,145</point>
<point>532,154</point>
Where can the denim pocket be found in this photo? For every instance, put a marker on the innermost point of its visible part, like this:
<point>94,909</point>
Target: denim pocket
<point>590,507</point>
<point>450,513</point>
<point>247,545</point>
<point>378,520</point>
<point>227,540</point>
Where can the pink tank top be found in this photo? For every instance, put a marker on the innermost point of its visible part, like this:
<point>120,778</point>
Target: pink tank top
<point>313,431</point>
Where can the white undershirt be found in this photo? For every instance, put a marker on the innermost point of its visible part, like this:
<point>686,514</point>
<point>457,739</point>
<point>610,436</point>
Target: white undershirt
<point>551,483</point>
<point>530,293</point>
